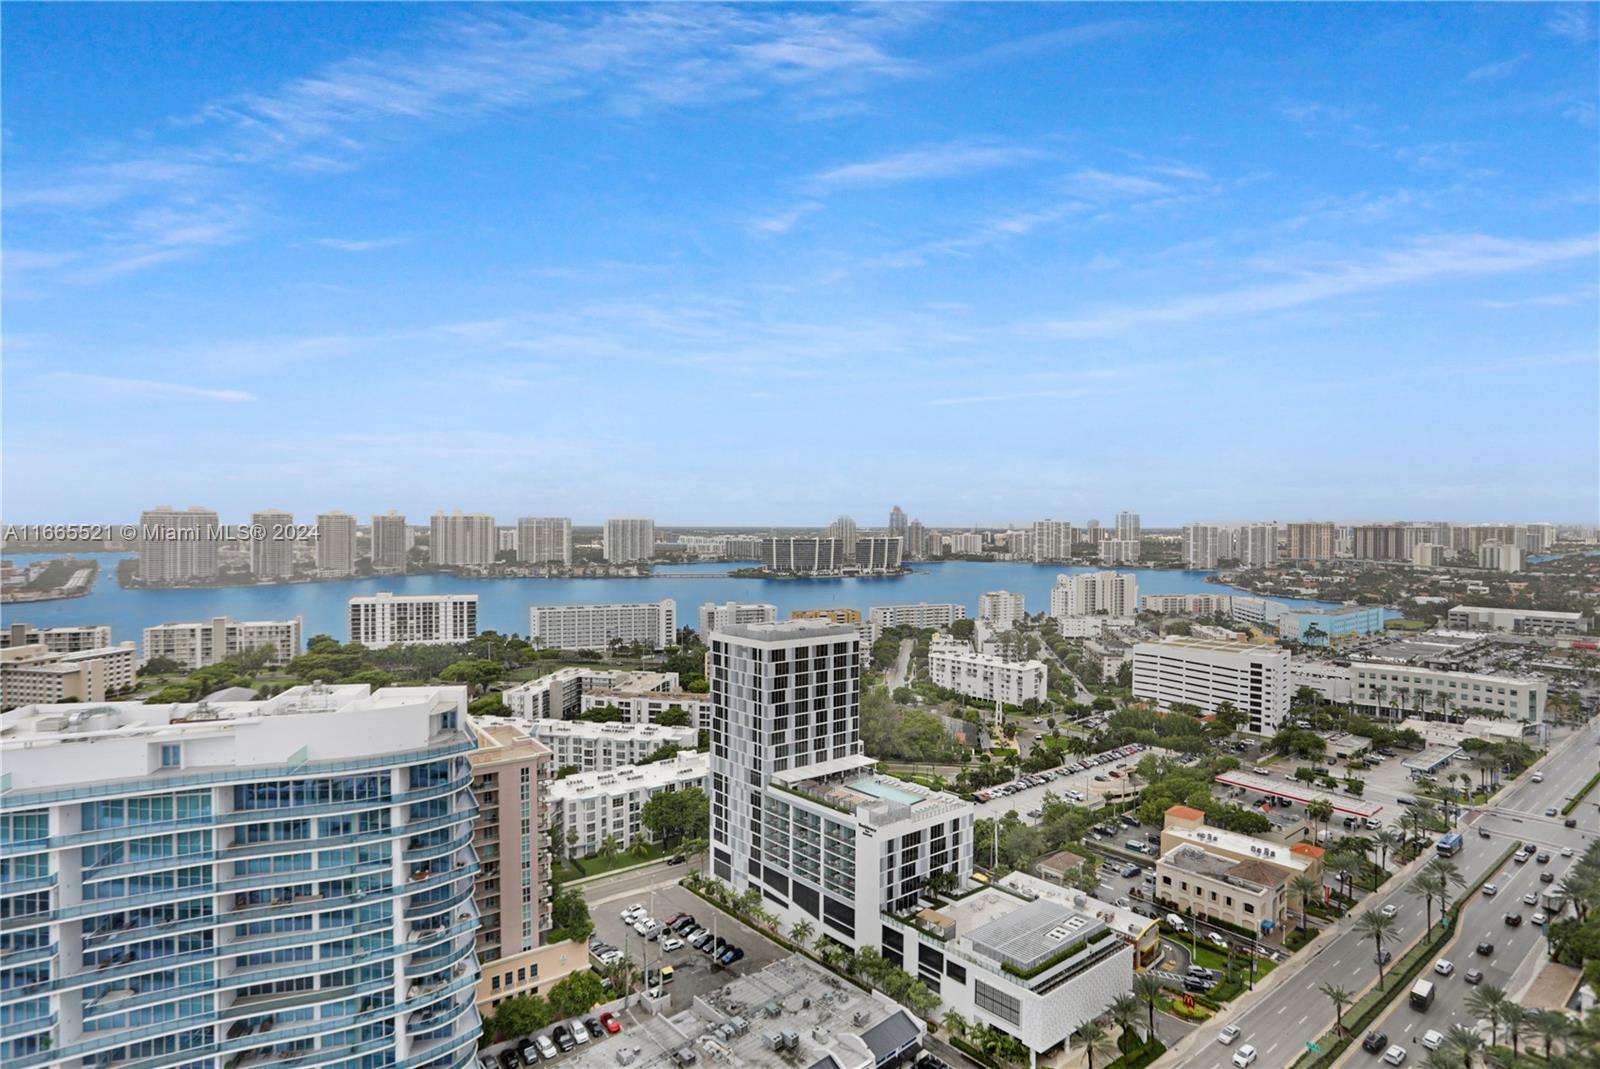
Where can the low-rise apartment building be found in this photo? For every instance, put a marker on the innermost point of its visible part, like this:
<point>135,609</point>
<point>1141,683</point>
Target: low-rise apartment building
<point>1205,673</point>
<point>954,665</point>
<point>57,639</point>
<point>195,645</point>
<point>35,675</point>
<point>653,625</point>
<point>559,695</point>
<point>714,616</point>
<point>1187,604</point>
<point>588,808</point>
<point>837,616</point>
<point>922,615</point>
<point>597,747</point>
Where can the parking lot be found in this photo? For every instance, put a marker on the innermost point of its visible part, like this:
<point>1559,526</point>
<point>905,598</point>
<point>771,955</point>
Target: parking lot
<point>1027,800</point>
<point>693,972</point>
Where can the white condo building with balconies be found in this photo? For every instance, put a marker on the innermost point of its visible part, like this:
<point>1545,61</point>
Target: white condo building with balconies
<point>287,881</point>
<point>653,624</point>
<point>379,620</point>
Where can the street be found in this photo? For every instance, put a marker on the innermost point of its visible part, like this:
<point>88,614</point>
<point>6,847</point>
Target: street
<point>1290,1009</point>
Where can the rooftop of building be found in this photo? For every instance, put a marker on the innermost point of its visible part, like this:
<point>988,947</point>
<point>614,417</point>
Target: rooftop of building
<point>620,680</point>
<point>500,739</point>
<point>1549,613</point>
<point>1185,812</point>
<point>589,729</point>
<point>1251,873</point>
<point>1342,610</point>
<point>848,784</point>
<point>1238,843</point>
<point>833,1024</point>
<point>1201,645</point>
<point>787,630</point>
<point>679,769</point>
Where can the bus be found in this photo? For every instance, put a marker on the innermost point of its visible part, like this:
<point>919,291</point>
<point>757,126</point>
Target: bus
<point>1449,844</point>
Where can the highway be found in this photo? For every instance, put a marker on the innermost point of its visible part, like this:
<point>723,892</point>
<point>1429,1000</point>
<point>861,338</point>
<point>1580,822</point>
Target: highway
<point>1289,1009</point>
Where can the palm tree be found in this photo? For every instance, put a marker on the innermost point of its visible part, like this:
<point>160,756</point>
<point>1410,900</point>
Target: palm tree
<point>1385,840</point>
<point>1148,988</point>
<point>1304,887</point>
<point>800,931</point>
<point>1124,1010</point>
<point>1449,873</point>
<point>1462,1042</point>
<point>1340,999</point>
<point>1375,924</point>
<point>1095,1037</point>
<point>1552,1026</point>
<point>954,1023</point>
<point>1485,1001</point>
<point>609,848</point>
<point>1515,1018</point>
<point>1426,886</point>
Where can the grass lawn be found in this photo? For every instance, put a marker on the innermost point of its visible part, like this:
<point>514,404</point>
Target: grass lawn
<point>1407,625</point>
<point>1212,958</point>
<point>594,866</point>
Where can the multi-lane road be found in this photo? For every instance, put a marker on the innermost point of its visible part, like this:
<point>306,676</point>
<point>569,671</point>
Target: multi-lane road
<point>1279,1019</point>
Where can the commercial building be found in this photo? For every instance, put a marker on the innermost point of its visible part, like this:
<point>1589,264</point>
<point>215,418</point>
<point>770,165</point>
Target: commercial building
<point>1400,690</point>
<point>178,547</point>
<point>57,639</point>
<point>545,540</point>
<point>1250,894</point>
<point>511,776</point>
<point>1331,627</point>
<point>713,615</point>
<point>591,747</point>
<point>1186,826</point>
<point>1331,681</point>
<point>271,544</point>
<point>1203,545</point>
<point>1500,557</point>
<point>462,539</point>
<point>559,695</point>
<point>877,553</point>
<point>630,539</point>
<point>1001,608</point>
<point>1030,959</point>
<point>1187,604</point>
<point>1095,594</point>
<point>237,881</point>
<point>36,675</point>
<point>379,620</point>
<point>1205,673</point>
<point>805,556</point>
<point>195,645</point>
<point>588,808</point>
<point>954,665</point>
<point>796,810</point>
<point>336,543</point>
<point>1248,610</point>
<point>1312,541</point>
<point>653,624</point>
<point>921,615</point>
<point>391,542</point>
<point>1516,621</point>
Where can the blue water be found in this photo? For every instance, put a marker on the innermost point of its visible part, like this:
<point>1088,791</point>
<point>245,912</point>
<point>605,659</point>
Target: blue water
<point>503,603</point>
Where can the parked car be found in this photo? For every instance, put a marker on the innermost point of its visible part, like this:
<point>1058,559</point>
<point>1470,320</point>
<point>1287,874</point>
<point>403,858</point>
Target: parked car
<point>547,1049</point>
<point>609,1022</point>
<point>561,1036</point>
<point>593,1025</point>
<point>580,1035</point>
<point>509,1059</point>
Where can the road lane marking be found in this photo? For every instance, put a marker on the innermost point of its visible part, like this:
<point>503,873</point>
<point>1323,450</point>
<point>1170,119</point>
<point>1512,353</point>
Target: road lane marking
<point>1301,1021</point>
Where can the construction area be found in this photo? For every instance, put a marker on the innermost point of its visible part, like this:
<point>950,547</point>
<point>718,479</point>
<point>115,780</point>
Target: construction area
<point>793,1014</point>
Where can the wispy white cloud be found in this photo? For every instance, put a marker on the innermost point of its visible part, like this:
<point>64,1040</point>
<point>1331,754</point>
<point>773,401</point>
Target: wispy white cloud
<point>1572,21</point>
<point>150,389</point>
<point>1472,255</point>
<point>1058,40</point>
<point>785,221</point>
<point>1494,72</point>
<point>1544,300</point>
<point>939,161</point>
<point>360,245</point>
<point>1095,184</point>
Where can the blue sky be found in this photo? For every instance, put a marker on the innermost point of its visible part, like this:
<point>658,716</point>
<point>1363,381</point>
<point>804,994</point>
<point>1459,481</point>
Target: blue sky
<point>770,264</point>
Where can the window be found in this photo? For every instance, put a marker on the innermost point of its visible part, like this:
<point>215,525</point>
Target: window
<point>171,755</point>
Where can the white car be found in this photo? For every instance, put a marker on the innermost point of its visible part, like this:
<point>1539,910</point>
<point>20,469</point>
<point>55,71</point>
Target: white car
<point>1490,890</point>
<point>547,1049</point>
<point>1395,1055</point>
<point>1175,922</point>
<point>1530,899</point>
<point>1538,918</point>
<point>642,925</point>
<point>671,942</point>
<point>1228,1034</point>
<point>1244,1056</point>
<point>580,1034</point>
<point>1390,910</point>
<point>1217,940</point>
<point>1566,851</point>
<point>1444,967</point>
<point>1431,1039</point>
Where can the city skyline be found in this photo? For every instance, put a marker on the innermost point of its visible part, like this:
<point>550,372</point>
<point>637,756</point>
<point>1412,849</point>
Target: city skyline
<point>578,261</point>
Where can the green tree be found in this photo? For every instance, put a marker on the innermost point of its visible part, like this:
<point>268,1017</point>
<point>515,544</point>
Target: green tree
<point>677,815</point>
<point>475,674</point>
<point>576,993</point>
<point>1306,889</point>
<point>519,1016</point>
<point>675,716</point>
<point>1340,999</point>
<point>1125,1010</point>
<point>1148,988</point>
<point>569,917</point>
<point>1379,928</point>
<point>800,931</point>
<point>610,847</point>
<point>1485,1001</point>
<point>1096,1039</point>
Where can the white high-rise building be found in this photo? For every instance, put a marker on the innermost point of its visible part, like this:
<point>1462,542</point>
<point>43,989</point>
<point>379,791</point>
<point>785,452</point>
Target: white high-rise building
<point>271,547</point>
<point>391,541</point>
<point>1500,557</point>
<point>178,546</point>
<point>195,645</point>
<point>288,879</point>
<point>921,615</point>
<point>1113,594</point>
<point>1128,526</point>
<point>1258,545</point>
<point>1120,550</point>
<point>379,620</point>
<point>897,523</point>
<point>966,543</point>
<point>1051,540</point>
<point>845,530</point>
<point>1201,546</point>
<point>714,616</point>
<point>630,540</point>
<point>1001,608</point>
<point>796,810</point>
<point>802,555</point>
<point>462,539</point>
<point>878,553</point>
<point>336,543</point>
<point>544,540</point>
<point>597,627</point>
<point>1205,673</point>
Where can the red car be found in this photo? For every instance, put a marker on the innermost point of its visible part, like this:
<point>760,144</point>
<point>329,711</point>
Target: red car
<point>609,1022</point>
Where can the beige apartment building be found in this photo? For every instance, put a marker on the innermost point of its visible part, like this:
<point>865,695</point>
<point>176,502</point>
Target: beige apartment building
<point>35,675</point>
<point>510,777</point>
